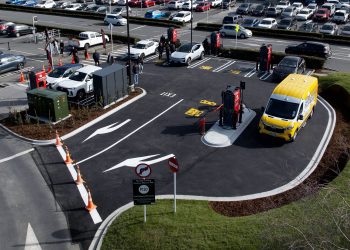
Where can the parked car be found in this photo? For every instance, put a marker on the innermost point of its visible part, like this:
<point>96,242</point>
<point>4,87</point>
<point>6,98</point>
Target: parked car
<point>215,3</point>
<point>82,7</point>
<point>310,49</point>
<point>102,9</point>
<point>330,7</point>
<point>290,11</point>
<point>30,3</point>
<point>329,29</point>
<point>321,15</point>
<point>298,5</point>
<point>171,15</point>
<point>228,3</point>
<point>11,62</point>
<point>288,23</point>
<point>250,22</point>
<point>183,16</point>
<point>4,25</point>
<point>73,6</point>
<point>189,4</point>
<point>175,5</point>
<point>308,26</point>
<point>346,30</point>
<point>155,14</point>
<point>203,6</point>
<point>79,83</point>
<point>336,3</point>
<point>273,12</point>
<point>268,23</point>
<point>187,53</point>
<point>146,3</point>
<point>61,5</point>
<point>340,16</point>
<point>304,14</point>
<point>121,10</point>
<point>115,19</point>
<point>232,19</point>
<point>87,39</point>
<point>259,10</point>
<point>46,4</point>
<point>61,73</point>
<point>20,2</point>
<point>162,1</point>
<point>19,30</point>
<point>143,48</point>
<point>244,9</point>
<point>288,65</point>
<point>282,4</point>
<point>313,7</point>
<point>92,7</point>
<point>230,30</point>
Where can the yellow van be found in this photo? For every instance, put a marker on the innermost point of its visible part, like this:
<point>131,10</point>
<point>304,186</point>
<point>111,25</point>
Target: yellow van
<point>291,104</point>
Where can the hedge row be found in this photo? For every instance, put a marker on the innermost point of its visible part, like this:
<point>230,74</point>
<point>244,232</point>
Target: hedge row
<point>289,34</point>
<point>253,55</point>
<point>89,15</point>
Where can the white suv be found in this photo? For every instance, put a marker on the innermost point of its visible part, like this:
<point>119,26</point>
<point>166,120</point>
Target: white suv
<point>187,53</point>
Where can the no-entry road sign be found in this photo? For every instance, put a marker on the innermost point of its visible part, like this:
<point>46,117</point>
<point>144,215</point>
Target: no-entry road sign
<point>143,170</point>
<point>173,164</point>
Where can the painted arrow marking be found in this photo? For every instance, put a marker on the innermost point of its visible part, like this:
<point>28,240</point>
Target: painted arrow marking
<point>133,162</point>
<point>107,129</point>
<point>32,242</point>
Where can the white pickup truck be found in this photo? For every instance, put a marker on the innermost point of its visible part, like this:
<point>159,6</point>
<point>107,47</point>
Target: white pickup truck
<point>87,39</point>
<point>79,83</point>
<point>215,3</point>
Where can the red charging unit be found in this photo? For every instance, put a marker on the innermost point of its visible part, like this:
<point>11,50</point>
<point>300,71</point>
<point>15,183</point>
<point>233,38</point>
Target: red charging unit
<point>37,79</point>
<point>172,35</point>
<point>265,57</point>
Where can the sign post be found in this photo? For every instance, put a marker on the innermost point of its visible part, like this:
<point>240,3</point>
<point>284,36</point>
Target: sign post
<point>174,167</point>
<point>35,19</point>
<point>237,29</point>
<point>111,29</point>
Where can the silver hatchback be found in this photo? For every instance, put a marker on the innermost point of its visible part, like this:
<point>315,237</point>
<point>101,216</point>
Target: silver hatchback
<point>11,62</point>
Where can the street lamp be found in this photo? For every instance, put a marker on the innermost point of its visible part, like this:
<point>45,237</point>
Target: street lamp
<point>131,86</point>
<point>191,19</point>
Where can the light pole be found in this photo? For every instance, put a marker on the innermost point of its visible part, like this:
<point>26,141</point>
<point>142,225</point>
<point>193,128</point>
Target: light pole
<point>131,86</point>
<point>191,19</point>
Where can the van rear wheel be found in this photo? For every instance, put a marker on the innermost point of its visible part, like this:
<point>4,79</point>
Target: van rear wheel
<point>295,135</point>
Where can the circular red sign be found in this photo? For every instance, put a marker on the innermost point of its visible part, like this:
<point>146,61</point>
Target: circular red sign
<point>173,164</point>
<point>143,170</point>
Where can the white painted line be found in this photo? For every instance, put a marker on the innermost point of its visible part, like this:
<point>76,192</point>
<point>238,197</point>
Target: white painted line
<point>199,63</point>
<point>32,242</point>
<point>250,73</point>
<point>107,129</point>
<point>224,66</point>
<point>133,132</point>
<point>151,58</point>
<point>31,59</point>
<point>339,58</point>
<point>134,29</point>
<point>265,76</point>
<point>16,155</point>
<point>20,51</point>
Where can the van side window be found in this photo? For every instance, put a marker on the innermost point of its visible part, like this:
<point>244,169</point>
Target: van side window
<point>301,109</point>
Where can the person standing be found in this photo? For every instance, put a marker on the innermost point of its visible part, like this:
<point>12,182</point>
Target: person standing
<point>61,47</point>
<point>206,46</point>
<point>140,63</point>
<point>172,48</point>
<point>167,52</point>
<point>136,71</point>
<point>160,50</point>
<point>96,57</point>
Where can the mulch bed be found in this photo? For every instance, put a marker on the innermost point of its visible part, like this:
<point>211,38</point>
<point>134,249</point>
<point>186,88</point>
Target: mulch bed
<point>39,131</point>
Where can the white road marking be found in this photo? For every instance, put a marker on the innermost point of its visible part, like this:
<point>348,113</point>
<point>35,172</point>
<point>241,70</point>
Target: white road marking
<point>31,59</point>
<point>199,63</point>
<point>107,129</point>
<point>265,76</point>
<point>133,132</point>
<point>32,242</point>
<point>150,58</point>
<point>16,155</point>
<point>339,58</point>
<point>134,29</point>
<point>224,66</point>
<point>19,51</point>
<point>168,94</point>
<point>133,162</point>
<point>250,73</point>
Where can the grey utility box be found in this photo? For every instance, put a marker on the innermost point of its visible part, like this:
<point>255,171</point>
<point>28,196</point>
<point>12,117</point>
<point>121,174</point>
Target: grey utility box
<point>110,84</point>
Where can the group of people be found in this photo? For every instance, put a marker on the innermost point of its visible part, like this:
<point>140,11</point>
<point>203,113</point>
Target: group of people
<point>167,46</point>
<point>137,69</point>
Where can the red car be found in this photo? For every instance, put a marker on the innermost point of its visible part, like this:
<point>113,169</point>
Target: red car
<point>133,3</point>
<point>322,15</point>
<point>203,6</point>
<point>4,25</point>
<point>145,3</point>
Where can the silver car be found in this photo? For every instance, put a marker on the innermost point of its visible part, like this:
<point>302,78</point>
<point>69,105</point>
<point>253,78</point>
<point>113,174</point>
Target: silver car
<point>11,62</point>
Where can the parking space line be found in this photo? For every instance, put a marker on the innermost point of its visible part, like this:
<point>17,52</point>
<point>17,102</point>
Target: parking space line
<point>224,66</point>
<point>250,73</point>
<point>198,63</point>
<point>16,155</point>
<point>151,58</point>
<point>265,76</point>
<point>134,28</point>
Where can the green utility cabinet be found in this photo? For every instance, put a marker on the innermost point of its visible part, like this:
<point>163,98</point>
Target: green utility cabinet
<point>47,105</point>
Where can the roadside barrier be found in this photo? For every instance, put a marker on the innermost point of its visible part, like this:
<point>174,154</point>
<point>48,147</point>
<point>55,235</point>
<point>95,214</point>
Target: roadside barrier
<point>21,78</point>
<point>79,180</point>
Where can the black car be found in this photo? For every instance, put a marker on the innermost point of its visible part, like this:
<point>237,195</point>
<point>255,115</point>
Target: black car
<point>310,49</point>
<point>19,30</point>
<point>244,9</point>
<point>11,62</point>
<point>232,19</point>
<point>250,22</point>
<point>308,26</point>
<point>288,65</point>
<point>228,3</point>
<point>287,24</point>
<point>259,10</point>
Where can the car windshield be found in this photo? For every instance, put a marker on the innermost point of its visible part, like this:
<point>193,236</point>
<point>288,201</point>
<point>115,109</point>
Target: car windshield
<point>282,3</point>
<point>117,10</point>
<point>288,62</point>
<point>180,15</point>
<point>259,7</point>
<point>185,48</point>
<point>311,7</point>
<point>285,22</point>
<point>248,21</point>
<point>306,26</point>
<point>57,72</point>
<point>346,28</point>
<point>287,10</point>
<point>78,76</point>
<point>321,12</point>
<point>282,109</point>
<point>265,22</point>
<point>339,14</point>
<point>139,46</point>
<point>304,12</point>
<point>327,27</point>
<point>244,5</point>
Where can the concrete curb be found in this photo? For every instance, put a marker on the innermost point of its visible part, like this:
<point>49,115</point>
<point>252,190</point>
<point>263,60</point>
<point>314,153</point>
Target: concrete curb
<point>314,161</point>
<point>80,129</point>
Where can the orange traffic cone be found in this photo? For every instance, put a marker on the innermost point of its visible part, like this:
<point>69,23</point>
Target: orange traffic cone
<point>68,159</point>
<point>44,68</point>
<point>60,62</point>
<point>79,179</point>
<point>21,78</point>
<point>49,68</point>
<point>73,61</point>
<point>58,140</point>
<point>90,206</point>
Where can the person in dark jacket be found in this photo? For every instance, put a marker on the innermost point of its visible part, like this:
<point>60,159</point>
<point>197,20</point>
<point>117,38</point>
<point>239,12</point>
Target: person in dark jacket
<point>140,63</point>
<point>136,71</point>
<point>172,48</point>
<point>167,52</point>
<point>96,57</point>
<point>61,47</point>
<point>160,50</point>
<point>206,46</point>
